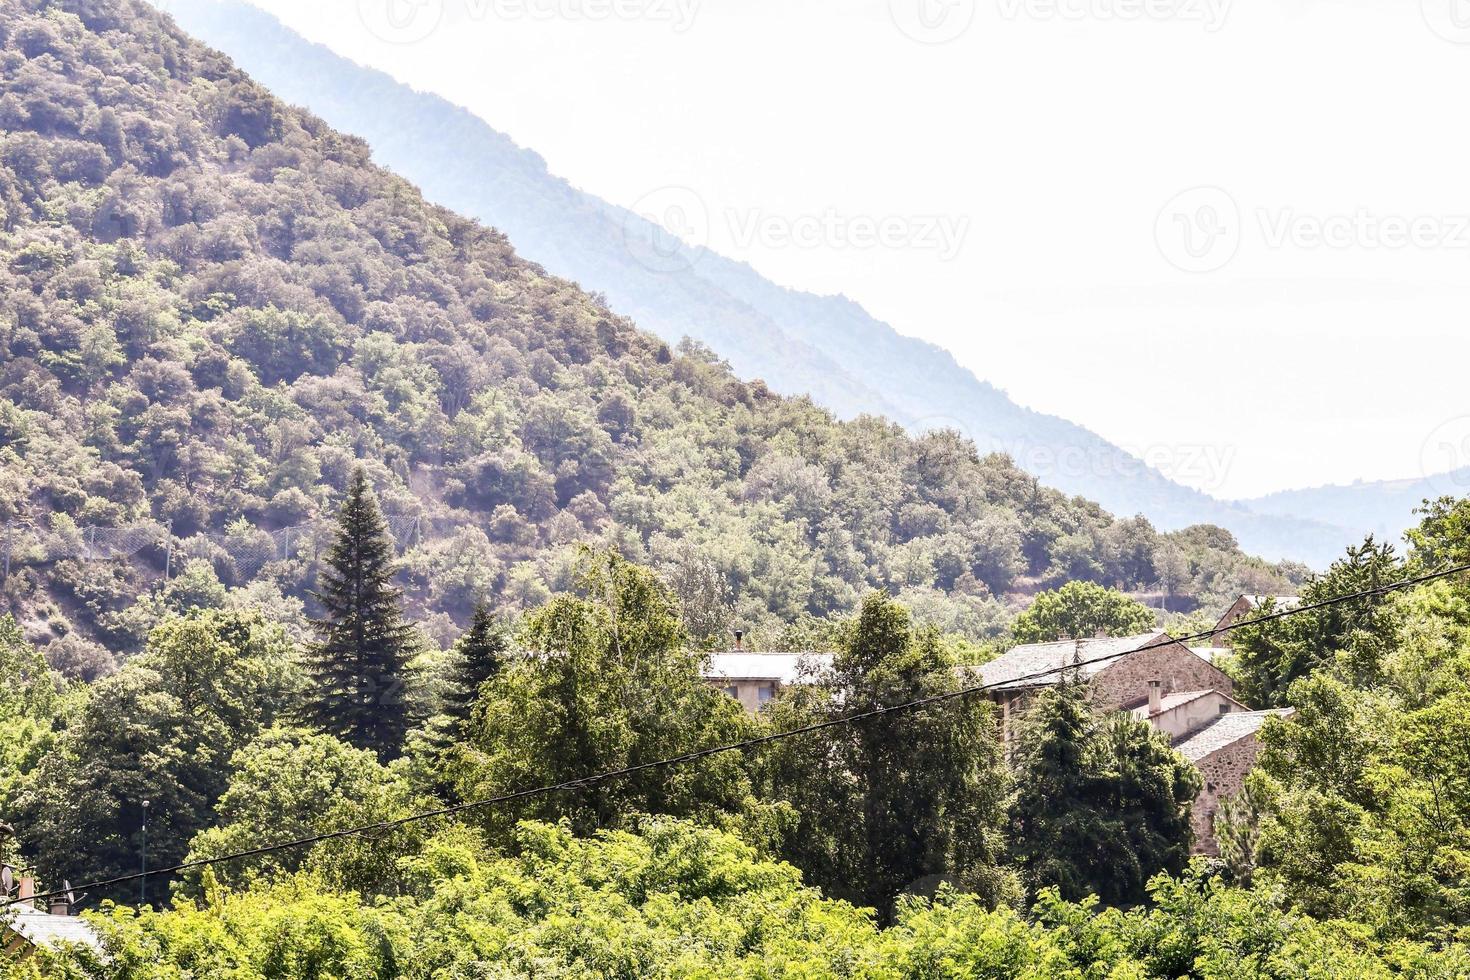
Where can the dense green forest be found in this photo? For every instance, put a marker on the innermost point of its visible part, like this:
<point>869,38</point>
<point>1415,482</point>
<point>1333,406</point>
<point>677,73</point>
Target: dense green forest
<point>903,846</point>
<point>442,529</point>
<point>214,307</point>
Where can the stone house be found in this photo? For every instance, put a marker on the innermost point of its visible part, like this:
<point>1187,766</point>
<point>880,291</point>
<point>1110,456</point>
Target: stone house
<point>1152,676</point>
<point>1122,674</point>
<point>753,679</point>
<point>1246,606</point>
<point>1156,679</point>
<point>25,928</point>
<point>1185,712</point>
<point>1224,753</point>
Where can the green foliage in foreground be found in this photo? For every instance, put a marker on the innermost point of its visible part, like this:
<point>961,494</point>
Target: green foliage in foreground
<point>1361,807</point>
<point>676,901</point>
<point>1102,803</point>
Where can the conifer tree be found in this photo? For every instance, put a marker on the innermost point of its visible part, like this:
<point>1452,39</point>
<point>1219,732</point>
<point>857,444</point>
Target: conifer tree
<point>481,653</point>
<point>1102,802</point>
<point>360,665</point>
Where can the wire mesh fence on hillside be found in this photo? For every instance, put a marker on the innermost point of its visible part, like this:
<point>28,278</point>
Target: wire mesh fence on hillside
<point>240,552</point>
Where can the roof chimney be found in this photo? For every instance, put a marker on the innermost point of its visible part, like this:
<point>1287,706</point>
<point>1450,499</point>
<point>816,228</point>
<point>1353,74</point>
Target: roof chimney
<point>1155,697</point>
<point>27,889</point>
<point>739,640</point>
<point>1101,634</point>
<point>59,906</point>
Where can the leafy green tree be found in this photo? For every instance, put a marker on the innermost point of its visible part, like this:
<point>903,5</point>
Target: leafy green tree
<point>607,681</point>
<point>162,730</point>
<point>360,666</point>
<point>673,900</point>
<point>287,785</point>
<point>1354,636</point>
<point>1101,805</point>
<point>1237,827</point>
<point>899,802</point>
<point>1080,610</point>
<point>32,702</point>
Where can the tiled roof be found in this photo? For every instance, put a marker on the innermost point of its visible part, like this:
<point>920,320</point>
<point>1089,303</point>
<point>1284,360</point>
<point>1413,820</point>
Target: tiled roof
<point>1227,731</point>
<point>43,929</point>
<point>786,668</point>
<point>1090,656</point>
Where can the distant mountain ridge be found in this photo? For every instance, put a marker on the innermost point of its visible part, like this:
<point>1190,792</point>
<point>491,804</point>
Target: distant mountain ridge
<point>799,343</point>
<point>1380,507</point>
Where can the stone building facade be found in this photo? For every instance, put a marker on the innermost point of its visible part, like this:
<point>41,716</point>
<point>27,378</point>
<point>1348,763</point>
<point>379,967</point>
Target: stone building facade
<point>1157,679</point>
<point>1248,605</point>
<point>1176,689</point>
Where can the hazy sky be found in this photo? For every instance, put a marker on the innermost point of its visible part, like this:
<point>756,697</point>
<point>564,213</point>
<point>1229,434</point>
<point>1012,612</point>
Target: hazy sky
<point>1191,225</point>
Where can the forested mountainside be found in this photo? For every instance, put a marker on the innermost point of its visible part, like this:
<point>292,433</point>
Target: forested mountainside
<point>826,346</point>
<point>213,307</point>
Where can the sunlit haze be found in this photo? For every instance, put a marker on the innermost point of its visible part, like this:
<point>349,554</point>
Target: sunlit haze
<point>1017,182</point>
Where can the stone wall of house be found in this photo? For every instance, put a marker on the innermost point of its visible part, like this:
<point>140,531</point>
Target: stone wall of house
<point>1125,682</point>
<point>1224,773</point>
<point>1237,611</point>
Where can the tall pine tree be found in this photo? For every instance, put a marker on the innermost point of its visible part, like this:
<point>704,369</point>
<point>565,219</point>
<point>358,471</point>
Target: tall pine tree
<point>360,665</point>
<point>481,653</point>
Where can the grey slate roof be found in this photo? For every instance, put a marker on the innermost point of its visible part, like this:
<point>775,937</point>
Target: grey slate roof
<point>1227,731</point>
<point>43,929</point>
<point>1092,656</point>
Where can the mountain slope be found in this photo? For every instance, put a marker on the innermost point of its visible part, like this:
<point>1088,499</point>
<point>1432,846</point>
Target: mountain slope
<point>213,307</point>
<point>799,343</point>
<point>1383,507</point>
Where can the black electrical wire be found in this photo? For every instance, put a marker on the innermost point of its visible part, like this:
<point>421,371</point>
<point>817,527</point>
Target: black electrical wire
<point>585,781</point>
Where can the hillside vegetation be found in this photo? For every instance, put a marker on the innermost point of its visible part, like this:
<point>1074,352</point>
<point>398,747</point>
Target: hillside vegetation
<point>213,306</point>
<point>800,343</point>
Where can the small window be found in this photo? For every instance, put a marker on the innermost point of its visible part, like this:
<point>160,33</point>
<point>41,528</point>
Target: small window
<point>1225,707</point>
<point>734,691</point>
<point>765,693</point>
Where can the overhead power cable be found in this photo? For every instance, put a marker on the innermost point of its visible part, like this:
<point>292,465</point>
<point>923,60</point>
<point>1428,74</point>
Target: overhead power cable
<point>585,781</point>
